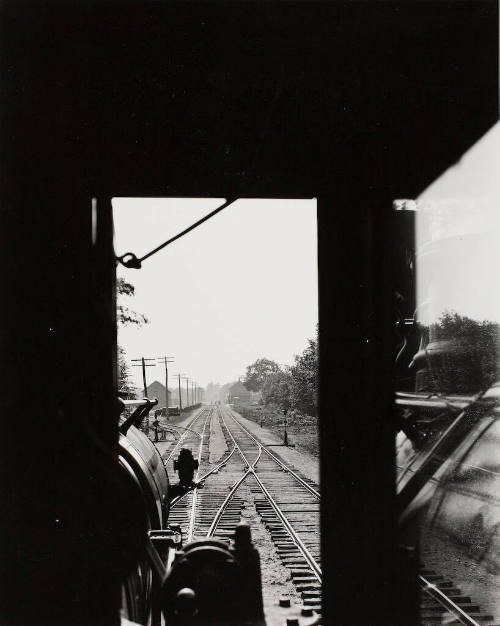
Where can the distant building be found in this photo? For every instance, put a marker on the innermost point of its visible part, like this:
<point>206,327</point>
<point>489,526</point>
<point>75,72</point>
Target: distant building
<point>239,393</point>
<point>156,390</point>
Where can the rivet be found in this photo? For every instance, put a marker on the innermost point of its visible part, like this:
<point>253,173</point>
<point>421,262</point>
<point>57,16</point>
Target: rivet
<point>284,601</point>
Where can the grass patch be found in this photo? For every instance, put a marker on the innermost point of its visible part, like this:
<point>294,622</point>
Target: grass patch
<point>302,429</point>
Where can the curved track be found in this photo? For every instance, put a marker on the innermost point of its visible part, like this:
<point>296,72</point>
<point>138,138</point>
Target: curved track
<point>288,506</point>
<point>287,503</point>
<point>442,602</point>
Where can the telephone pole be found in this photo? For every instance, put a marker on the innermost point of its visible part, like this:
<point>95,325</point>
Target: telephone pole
<point>186,378</point>
<point>179,388</point>
<point>143,364</point>
<point>166,360</point>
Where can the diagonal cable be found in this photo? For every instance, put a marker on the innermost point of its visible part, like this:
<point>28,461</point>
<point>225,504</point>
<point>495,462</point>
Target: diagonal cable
<point>130,260</point>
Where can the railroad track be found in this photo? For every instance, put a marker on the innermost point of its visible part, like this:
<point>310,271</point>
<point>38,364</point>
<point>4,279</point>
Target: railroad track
<point>442,602</point>
<point>195,511</point>
<point>190,437</point>
<point>287,503</point>
<point>196,438</point>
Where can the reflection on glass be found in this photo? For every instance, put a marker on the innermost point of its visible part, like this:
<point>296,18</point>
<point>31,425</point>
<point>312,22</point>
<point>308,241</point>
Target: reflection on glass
<point>448,392</point>
<point>458,295</point>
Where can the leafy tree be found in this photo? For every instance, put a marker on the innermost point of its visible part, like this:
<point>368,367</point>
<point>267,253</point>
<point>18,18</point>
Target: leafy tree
<point>304,375</point>
<point>278,389</point>
<point>461,355</point>
<point>258,372</point>
<point>124,382</point>
<point>294,387</point>
<point>125,315</point>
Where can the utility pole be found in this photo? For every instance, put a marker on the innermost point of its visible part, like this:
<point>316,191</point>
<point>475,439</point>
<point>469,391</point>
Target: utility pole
<point>186,378</point>
<point>166,360</point>
<point>179,388</point>
<point>143,364</point>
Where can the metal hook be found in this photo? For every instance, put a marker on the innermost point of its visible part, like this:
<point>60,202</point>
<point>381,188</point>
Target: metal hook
<point>129,260</point>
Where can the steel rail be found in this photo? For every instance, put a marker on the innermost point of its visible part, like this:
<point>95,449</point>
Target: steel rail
<point>223,506</point>
<point>184,435</point>
<point>212,471</point>
<point>291,531</point>
<point>219,465</point>
<point>192,517</point>
<point>227,499</point>
<point>315,493</point>
<point>445,602</point>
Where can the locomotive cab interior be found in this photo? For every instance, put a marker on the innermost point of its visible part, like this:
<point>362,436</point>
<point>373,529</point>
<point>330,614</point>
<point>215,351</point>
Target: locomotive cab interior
<point>214,99</point>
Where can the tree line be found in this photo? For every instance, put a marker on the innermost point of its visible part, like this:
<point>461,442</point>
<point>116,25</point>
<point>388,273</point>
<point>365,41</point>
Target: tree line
<point>461,355</point>
<point>289,387</point>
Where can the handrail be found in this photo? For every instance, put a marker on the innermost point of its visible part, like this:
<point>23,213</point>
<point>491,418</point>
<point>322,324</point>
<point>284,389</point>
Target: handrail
<point>433,401</point>
<point>436,456</point>
<point>137,402</point>
<point>143,408</point>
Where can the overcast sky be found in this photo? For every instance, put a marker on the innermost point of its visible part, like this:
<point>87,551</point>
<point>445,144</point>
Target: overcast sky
<point>240,287</point>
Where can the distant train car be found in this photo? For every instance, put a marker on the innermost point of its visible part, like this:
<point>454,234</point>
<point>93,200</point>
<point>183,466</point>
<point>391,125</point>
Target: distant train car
<point>173,410</point>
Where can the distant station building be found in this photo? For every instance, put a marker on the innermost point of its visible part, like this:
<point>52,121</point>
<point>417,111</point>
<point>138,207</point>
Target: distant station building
<point>238,393</point>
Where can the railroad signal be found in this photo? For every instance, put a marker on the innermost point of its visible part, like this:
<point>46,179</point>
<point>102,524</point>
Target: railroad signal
<point>285,424</point>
